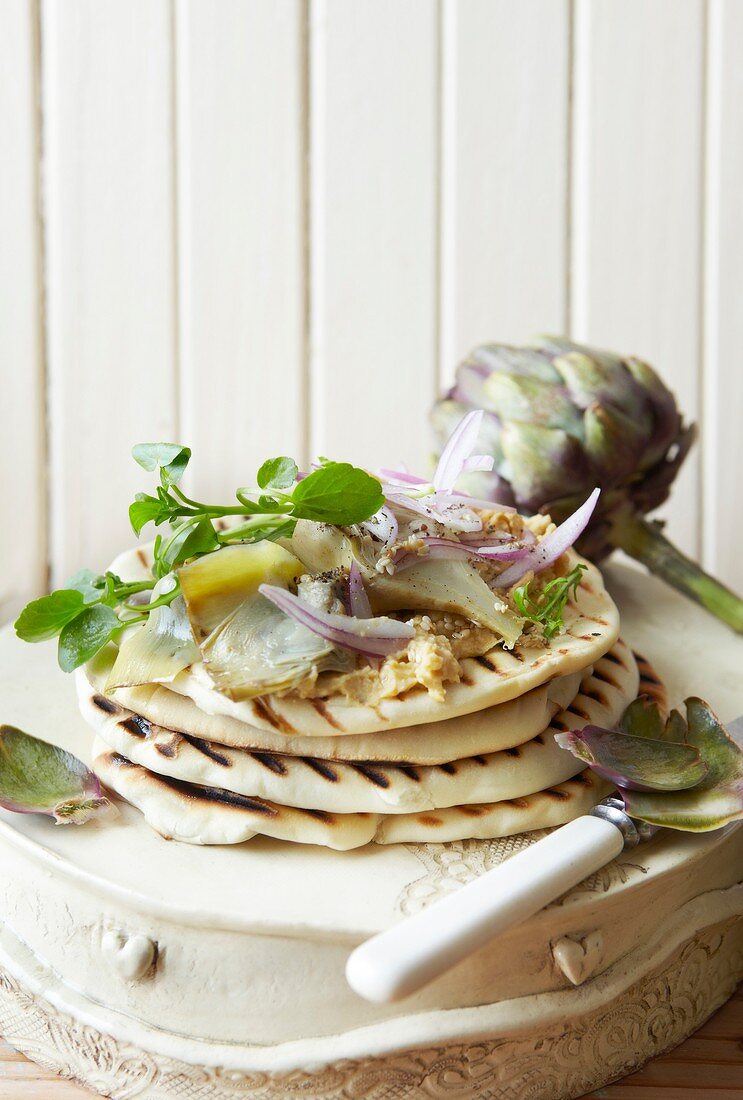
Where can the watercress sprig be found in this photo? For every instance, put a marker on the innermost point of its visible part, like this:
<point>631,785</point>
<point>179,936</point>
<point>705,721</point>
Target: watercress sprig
<point>92,609</point>
<point>548,607</point>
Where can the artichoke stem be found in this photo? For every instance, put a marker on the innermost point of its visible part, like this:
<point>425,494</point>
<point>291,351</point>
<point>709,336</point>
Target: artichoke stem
<point>645,542</point>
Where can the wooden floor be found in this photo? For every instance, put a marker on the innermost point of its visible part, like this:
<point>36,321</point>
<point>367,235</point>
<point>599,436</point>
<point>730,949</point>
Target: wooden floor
<point>708,1066</point>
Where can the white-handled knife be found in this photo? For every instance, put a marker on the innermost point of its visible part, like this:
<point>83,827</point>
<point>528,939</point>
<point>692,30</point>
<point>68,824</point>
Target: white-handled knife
<point>406,957</point>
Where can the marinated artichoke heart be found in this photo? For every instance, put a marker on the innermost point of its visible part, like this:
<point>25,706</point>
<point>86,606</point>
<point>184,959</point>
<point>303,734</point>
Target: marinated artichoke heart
<point>432,585</point>
<point>156,651</point>
<point>248,646</point>
<point>258,649</point>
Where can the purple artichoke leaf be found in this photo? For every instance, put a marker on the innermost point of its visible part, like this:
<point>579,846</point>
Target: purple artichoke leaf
<point>718,799</point>
<point>635,763</point>
<point>643,718</point>
<point>39,778</point>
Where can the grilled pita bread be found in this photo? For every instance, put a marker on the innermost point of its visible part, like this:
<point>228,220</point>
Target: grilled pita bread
<point>591,627</point>
<point>368,786</point>
<point>499,727</point>
<point>208,815</point>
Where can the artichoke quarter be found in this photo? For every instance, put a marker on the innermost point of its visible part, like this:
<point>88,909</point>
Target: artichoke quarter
<point>561,418</point>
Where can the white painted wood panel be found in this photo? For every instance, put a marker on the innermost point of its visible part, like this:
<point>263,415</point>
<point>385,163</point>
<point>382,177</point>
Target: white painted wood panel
<point>504,172</point>
<point>110,270</point>
<point>374,227</point>
<point>241,193</point>
<point>723,322</point>
<point>22,559</point>
<point>637,198</point>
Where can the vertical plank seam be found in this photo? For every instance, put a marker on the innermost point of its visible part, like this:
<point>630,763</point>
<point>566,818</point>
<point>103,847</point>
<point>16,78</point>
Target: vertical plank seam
<point>305,170</point>
<point>175,218</point>
<point>316,30</point>
<point>709,290</point>
<point>579,138</point>
<point>44,511</point>
<point>448,34</point>
<point>569,128</point>
<point>701,538</point>
<point>438,92</point>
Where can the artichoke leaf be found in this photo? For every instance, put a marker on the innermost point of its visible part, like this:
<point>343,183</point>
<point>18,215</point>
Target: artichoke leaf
<point>714,802</point>
<point>156,651</point>
<point>635,763</point>
<point>258,649</point>
<point>321,547</point>
<point>438,585</point>
<point>39,778</point>
<point>215,585</point>
<point>530,400</point>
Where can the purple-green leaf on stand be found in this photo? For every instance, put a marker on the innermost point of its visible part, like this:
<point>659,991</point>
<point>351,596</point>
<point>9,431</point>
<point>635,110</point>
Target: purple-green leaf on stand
<point>39,778</point>
<point>635,763</point>
<point>714,802</point>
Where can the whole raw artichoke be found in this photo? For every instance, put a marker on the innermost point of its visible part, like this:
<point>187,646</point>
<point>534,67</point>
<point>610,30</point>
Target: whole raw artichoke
<point>561,418</point>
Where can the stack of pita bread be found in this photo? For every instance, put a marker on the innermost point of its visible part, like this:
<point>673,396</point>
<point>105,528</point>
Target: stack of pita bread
<point>482,764</point>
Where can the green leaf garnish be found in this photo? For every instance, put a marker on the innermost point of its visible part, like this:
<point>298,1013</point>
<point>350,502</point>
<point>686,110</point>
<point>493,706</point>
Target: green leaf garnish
<point>91,609</point>
<point>547,608</point>
<point>172,458</point>
<point>277,473</point>
<point>85,635</point>
<point>44,618</point>
<point>337,493</point>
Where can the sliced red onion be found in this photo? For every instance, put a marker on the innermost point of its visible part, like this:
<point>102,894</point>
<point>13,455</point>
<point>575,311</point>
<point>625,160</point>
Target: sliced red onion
<point>357,597</point>
<point>457,450</point>
<point>383,525</point>
<point>472,502</point>
<point>552,546</point>
<point>493,538</point>
<point>401,477</point>
<point>373,637</point>
<point>451,550</point>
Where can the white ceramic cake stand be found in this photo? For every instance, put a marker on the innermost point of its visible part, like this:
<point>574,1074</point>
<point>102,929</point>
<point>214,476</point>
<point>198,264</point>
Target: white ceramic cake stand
<point>147,968</point>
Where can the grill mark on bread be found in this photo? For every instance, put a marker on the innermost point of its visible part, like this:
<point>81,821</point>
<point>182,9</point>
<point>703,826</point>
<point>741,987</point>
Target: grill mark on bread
<point>118,760</point>
<point>325,713</point>
<point>105,704</point>
<point>319,815</point>
<point>268,760</point>
<point>539,740</point>
<point>410,771</point>
<point>166,750</point>
<point>448,768</point>
<point>647,672</point>
<point>429,819</point>
<point>473,811</point>
<point>480,760</point>
<point>142,557</point>
<point>578,712</point>
<point>519,803</point>
<point>265,710</point>
<point>614,658</point>
<point>322,768</point>
<point>205,747</point>
<point>581,779</point>
<point>373,774</point>
<point>514,751</point>
<point>483,660</point>
<point>556,793</point>
<point>218,794</point>
<point>593,693</point>
<point>466,679</point>
<point>136,725</point>
<point>556,724</point>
